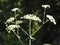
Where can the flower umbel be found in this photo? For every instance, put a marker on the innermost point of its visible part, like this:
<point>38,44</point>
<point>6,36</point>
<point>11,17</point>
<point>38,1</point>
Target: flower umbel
<point>12,27</point>
<point>51,19</point>
<point>45,6</point>
<point>32,17</point>
<point>10,20</point>
<point>15,9</point>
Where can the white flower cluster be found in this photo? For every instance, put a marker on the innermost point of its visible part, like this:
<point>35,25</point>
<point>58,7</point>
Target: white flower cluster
<point>51,19</point>
<point>32,17</point>
<point>10,20</point>
<point>45,6</point>
<point>12,27</point>
<point>15,9</point>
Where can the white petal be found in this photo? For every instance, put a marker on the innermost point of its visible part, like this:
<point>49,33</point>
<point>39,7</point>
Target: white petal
<point>14,9</point>
<point>45,6</point>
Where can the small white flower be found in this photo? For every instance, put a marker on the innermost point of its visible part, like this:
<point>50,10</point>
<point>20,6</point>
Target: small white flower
<point>45,6</point>
<point>12,27</point>
<point>51,19</point>
<point>14,9</point>
<point>32,17</point>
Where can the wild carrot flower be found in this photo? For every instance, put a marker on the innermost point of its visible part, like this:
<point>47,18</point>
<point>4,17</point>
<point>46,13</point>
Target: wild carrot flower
<point>10,20</point>
<point>51,19</point>
<point>12,27</point>
<point>45,6</point>
<point>32,17</point>
<point>15,9</point>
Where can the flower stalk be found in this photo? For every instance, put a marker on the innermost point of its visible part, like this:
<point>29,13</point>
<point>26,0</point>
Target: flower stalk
<point>39,28</point>
<point>44,15</point>
<point>29,31</point>
<point>18,38</point>
<point>45,7</point>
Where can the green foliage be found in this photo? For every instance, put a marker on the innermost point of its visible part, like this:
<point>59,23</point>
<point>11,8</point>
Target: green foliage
<point>35,27</point>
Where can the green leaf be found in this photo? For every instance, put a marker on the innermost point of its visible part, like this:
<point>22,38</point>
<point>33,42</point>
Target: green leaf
<point>35,27</point>
<point>32,17</point>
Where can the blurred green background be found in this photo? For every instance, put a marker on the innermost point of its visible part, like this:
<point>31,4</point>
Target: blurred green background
<point>48,34</point>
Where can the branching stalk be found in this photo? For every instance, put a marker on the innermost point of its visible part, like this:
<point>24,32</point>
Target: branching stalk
<point>20,26</point>
<point>17,35</point>
<point>39,28</point>
<point>24,30</point>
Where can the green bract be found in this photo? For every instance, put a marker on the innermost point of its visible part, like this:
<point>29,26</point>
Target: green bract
<point>32,17</point>
<point>19,22</point>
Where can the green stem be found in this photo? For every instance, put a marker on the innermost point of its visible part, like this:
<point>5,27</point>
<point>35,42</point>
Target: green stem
<point>17,31</point>
<point>18,38</point>
<point>24,30</point>
<point>15,21</point>
<point>20,26</point>
<point>29,31</point>
<point>44,15</point>
<point>39,28</point>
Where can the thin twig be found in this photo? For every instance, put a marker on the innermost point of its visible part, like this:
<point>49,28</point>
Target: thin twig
<point>24,30</point>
